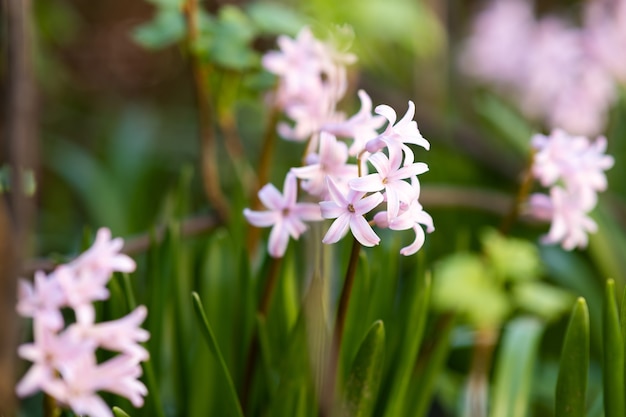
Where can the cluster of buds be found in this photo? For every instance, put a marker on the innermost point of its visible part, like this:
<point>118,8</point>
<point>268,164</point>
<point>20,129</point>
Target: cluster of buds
<point>573,167</point>
<point>340,151</point>
<point>64,356</point>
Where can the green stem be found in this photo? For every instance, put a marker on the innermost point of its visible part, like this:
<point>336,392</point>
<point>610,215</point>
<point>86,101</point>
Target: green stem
<point>262,311</point>
<point>328,395</point>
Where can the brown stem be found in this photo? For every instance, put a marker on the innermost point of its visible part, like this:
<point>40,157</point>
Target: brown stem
<point>208,142</point>
<point>17,211</point>
<point>478,385</point>
<point>263,174</point>
<point>262,311</point>
<point>328,394</point>
<point>522,195</point>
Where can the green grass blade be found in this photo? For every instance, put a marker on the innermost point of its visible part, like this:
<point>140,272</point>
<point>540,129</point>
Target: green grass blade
<point>514,368</point>
<point>234,408</point>
<point>365,374</point>
<point>613,358</point>
<point>571,386</point>
<point>118,412</point>
<point>414,332</point>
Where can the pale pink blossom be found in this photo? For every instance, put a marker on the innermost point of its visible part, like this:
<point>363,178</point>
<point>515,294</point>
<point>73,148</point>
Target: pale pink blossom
<point>42,300</point>
<point>331,160</point>
<point>312,79</point>
<point>349,211</point>
<point>411,216</point>
<point>285,214</point>
<point>83,378</point>
<point>570,222</point>
<point>396,135</point>
<point>361,127</point>
<point>573,160</point>
<point>104,257</point>
<point>122,335</point>
<point>390,177</point>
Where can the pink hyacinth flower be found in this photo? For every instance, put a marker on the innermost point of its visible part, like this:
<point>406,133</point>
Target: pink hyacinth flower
<point>396,135</point>
<point>42,300</point>
<point>330,161</point>
<point>285,215</point>
<point>390,177</point>
<point>348,210</point>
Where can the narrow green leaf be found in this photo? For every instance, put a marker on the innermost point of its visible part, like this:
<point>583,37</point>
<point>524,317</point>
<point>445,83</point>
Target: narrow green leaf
<point>364,377</point>
<point>234,406</point>
<point>413,332</point>
<point>514,368</point>
<point>571,386</point>
<point>119,412</point>
<point>613,358</point>
<point>429,368</point>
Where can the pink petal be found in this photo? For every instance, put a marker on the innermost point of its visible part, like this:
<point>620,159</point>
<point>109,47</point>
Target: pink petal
<point>335,193</point>
<point>381,163</point>
<point>290,190</point>
<point>330,209</point>
<point>338,229</point>
<point>368,183</point>
<point>367,204</point>
<point>278,241</point>
<point>417,243</point>
<point>261,218</point>
<point>271,197</point>
<point>363,232</point>
<point>307,211</point>
<point>387,112</point>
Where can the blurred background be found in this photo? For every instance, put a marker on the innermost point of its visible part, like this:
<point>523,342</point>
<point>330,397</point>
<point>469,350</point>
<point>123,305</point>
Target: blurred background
<point>118,135</point>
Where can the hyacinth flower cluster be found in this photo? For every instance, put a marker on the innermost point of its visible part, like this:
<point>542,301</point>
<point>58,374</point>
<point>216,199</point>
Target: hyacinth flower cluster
<point>63,356</point>
<point>573,167</point>
<point>564,75</point>
<point>336,173</point>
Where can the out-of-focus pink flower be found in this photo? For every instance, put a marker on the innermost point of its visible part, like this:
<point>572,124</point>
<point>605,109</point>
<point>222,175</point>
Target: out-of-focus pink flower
<point>285,215</point>
<point>122,335</point>
<point>82,378</point>
<point>349,211</point>
<point>575,161</point>
<point>330,161</point>
<point>390,177</point>
<point>104,257</point>
<point>312,79</point>
<point>42,301</point>
<point>499,42</point>
<point>63,360</point>
<point>605,25</point>
<point>361,127</point>
<point>570,222</point>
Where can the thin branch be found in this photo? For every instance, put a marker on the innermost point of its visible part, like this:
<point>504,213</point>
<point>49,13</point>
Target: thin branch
<point>17,219</point>
<point>208,142</point>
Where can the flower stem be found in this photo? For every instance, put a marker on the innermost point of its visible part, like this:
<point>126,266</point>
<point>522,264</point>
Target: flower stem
<point>328,395</point>
<point>50,408</point>
<point>262,311</point>
<point>208,143</point>
<point>522,195</point>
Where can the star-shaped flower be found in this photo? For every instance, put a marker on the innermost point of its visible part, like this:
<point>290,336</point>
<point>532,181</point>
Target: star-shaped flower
<point>285,215</point>
<point>348,210</point>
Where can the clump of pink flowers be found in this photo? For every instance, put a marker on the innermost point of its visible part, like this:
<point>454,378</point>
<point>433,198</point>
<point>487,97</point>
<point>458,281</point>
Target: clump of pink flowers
<point>573,167</point>
<point>63,355</point>
<point>336,175</point>
<point>561,74</point>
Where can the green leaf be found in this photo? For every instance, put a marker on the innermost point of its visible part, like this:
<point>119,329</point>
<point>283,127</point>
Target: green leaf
<point>511,258</point>
<point>463,283</point>
<point>118,412</point>
<point>547,301</point>
<point>514,368</point>
<point>365,375</point>
<point>613,358</point>
<point>167,27</point>
<point>274,18</point>
<point>234,408</point>
<point>414,332</point>
<point>571,387</point>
